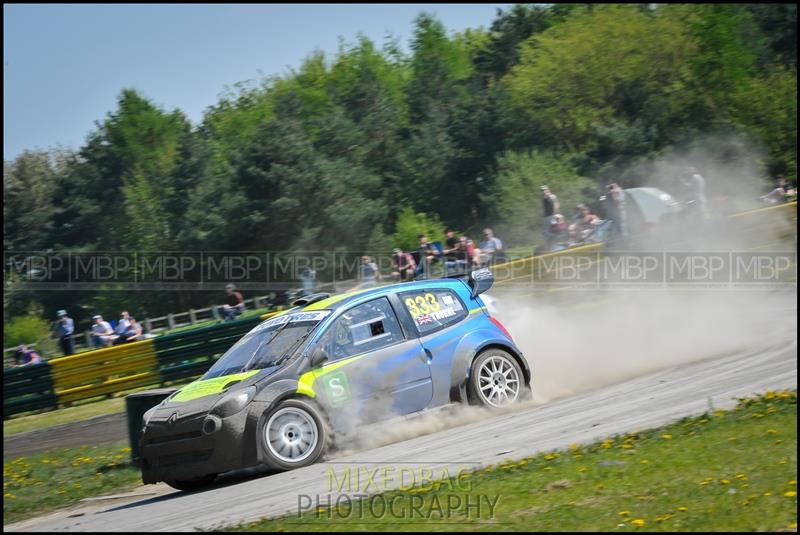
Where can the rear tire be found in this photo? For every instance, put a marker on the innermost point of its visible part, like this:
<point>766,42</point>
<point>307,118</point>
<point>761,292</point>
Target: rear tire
<point>294,434</point>
<point>496,380</point>
<point>192,484</point>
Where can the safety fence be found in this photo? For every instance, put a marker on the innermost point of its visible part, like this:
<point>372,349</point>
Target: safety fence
<point>156,361</point>
<point>187,354</point>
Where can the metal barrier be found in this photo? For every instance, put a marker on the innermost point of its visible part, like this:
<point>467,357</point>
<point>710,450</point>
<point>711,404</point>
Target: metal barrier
<point>111,370</point>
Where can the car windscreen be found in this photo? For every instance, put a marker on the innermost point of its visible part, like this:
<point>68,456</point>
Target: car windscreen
<point>268,344</point>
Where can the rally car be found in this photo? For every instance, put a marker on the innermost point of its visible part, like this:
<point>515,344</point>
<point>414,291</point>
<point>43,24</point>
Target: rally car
<point>281,394</point>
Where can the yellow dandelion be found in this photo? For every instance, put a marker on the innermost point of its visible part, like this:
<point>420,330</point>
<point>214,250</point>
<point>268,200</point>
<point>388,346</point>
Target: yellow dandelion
<point>683,508</point>
<point>666,437</point>
<point>638,522</point>
<point>790,494</point>
<point>741,477</point>
<point>644,461</point>
<point>624,514</point>
<point>792,482</point>
<point>768,493</point>
<point>772,431</point>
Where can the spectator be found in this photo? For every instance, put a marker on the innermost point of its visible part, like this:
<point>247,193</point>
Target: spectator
<point>454,253</point>
<point>584,224</point>
<point>403,264</point>
<point>696,191</point>
<point>428,254</point>
<point>63,328</point>
<point>102,333</point>
<point>309,277</point>
<point>614,202</point>
<point>25,355</point>
<point>234,304</point>
<point>473,255</point>
<point>780,193</point>
<point>550,206</point>
<point>491,248</point>
<point>370,274</point>
<point>127,329</point>
<point>559,230</point>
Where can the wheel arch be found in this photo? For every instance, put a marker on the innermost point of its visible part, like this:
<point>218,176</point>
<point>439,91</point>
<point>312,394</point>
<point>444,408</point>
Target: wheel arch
<point>458,392</point>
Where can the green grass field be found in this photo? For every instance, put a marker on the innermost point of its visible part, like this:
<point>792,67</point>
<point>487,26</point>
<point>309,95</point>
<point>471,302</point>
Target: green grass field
<point>77,413</point>
<point>727,471</point>
<point>40,483</point>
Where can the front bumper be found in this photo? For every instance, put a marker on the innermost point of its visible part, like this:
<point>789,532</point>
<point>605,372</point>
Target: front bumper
<point>181,442</point>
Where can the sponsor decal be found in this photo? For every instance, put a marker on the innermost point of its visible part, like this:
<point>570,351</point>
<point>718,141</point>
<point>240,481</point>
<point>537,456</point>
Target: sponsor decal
<point>337,387</point>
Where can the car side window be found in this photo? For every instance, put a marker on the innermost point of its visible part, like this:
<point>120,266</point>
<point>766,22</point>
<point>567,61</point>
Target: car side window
<point>363,328</point>
<point>432,310</point>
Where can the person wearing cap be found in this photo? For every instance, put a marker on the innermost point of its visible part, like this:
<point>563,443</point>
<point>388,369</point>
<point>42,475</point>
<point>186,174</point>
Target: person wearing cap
<point>404,265</point>
<point>63,328</point>
<point>102,333</point>
<point>550,206</point>
<point>234,304</point>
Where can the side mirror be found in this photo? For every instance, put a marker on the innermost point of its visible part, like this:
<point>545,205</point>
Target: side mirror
<point>318,356</point>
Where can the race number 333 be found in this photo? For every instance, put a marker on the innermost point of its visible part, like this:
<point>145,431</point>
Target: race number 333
<point>422,304</point>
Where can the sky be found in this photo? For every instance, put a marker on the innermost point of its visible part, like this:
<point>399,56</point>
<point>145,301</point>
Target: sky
<point>65,65</point>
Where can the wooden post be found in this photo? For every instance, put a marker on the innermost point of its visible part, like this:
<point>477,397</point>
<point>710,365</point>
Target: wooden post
<point>170,321</point>
<point>192,316</point>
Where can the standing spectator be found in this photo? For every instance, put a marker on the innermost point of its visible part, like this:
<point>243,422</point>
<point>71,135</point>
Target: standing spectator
<point>308,276</point>
<point>403,264</point>
<point>491,248</point>
<point>63,329</point>
<point>614,203</point>
<point>696,190</point>
<point>102,333</point>
<point>370,274</point>
<point>234,304</point>
<point>550,207</point>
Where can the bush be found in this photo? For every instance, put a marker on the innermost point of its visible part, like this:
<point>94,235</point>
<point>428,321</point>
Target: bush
<point>410,225</point>
<point>28,329</point>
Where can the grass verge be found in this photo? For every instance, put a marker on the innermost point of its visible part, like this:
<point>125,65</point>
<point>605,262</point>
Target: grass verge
<point>724,471</point>
<point>76,413</point>
<point>39,483</point>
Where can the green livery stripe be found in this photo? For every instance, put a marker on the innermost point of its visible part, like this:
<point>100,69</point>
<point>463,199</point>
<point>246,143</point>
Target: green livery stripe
<point>208,387</point>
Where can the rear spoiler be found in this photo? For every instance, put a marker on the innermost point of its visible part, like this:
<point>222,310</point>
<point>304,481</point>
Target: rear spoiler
<point>480,280</point>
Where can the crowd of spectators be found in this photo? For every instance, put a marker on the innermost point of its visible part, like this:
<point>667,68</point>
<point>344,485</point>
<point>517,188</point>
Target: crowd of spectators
<point>458,254</point>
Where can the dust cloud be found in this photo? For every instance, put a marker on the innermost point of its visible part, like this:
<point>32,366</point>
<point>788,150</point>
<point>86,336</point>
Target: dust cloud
<point>604,338</point>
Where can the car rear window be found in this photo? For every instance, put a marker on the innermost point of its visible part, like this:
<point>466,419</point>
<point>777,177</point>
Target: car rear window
<point>433,309</point>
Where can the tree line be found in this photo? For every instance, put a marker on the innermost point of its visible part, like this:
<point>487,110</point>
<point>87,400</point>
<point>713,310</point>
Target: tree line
<point>463,125</point>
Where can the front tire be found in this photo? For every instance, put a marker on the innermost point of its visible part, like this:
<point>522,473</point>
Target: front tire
<point>294,434</point>
<point>496,380</point>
